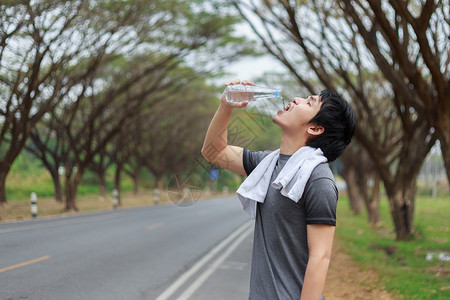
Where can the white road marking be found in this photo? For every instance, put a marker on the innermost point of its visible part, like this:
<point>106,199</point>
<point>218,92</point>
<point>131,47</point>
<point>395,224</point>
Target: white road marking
<point>247,227</point>
<point>209,271</point>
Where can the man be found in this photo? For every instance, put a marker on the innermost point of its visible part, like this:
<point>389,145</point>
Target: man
<point>290,192</point>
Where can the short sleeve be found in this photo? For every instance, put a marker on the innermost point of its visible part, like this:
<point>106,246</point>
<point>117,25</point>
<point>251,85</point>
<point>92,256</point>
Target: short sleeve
<point>320,198</point>
<point>252,158</point>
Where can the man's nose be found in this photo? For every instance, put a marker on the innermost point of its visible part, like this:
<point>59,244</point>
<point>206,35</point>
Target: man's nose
<point>298,100</point>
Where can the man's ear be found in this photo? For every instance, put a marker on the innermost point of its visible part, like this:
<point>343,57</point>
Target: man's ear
<point>315,130</point>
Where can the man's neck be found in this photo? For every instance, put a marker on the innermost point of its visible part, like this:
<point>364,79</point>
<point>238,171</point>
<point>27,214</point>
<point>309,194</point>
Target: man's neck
<point>290,144</point>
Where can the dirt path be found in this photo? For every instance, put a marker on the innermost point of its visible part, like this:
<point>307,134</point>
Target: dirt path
<point>345,280</point>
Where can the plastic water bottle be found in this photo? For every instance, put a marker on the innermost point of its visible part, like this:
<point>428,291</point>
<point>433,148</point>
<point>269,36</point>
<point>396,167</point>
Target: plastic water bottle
<point>237,93</point>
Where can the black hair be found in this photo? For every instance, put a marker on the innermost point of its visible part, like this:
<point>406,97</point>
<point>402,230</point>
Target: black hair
<point>338,120</point>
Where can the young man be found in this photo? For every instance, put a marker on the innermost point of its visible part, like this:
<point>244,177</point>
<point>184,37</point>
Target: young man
<point>290,192</point>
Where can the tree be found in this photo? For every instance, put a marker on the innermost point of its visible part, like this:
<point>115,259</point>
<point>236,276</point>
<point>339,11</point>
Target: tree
<point>137,154</point>
<point>173,132</point>
<point>31,75</point>
<point>61,45</point>
<point>120,155</point>
<point>46,145</point>
<point>409,43</point>
<point>76,53</point>
<point>318,42</point>
<point>88,124</point>
<point>99,165</point>
<point>359,172</point>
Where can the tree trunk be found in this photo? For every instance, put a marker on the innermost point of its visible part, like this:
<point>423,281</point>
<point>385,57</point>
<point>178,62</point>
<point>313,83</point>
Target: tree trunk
<point>71,191</point>
<point>71,196</point>
<point>56,184</point>
<point>401,201</point>
<point>3,202</point>
<point>117,177</point>
<point>102,179</point>
<point>445,149</point>
<point>136,181</point>
<point>370,201</point>
<point>373,202</point>
<point>3,173</point>
<point>354,193</point>
<point>443,128</point>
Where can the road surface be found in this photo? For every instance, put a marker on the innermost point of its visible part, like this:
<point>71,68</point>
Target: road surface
<point>160,252</point>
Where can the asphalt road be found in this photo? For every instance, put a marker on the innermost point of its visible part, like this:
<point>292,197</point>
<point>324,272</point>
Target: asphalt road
<point>162,252</point>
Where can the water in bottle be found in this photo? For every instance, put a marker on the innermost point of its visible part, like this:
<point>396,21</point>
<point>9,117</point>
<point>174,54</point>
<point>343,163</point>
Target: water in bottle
<point>237,93</point>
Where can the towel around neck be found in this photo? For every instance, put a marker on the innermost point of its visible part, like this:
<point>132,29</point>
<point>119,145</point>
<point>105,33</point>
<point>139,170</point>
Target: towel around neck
<point>291,181</point>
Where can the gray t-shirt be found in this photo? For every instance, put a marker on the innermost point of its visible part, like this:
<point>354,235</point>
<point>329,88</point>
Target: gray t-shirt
<point>280,246</point>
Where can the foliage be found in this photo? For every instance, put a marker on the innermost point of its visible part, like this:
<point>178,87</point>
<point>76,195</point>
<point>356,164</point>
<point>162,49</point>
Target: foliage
<point>367,51</point>
<point>86,68</point>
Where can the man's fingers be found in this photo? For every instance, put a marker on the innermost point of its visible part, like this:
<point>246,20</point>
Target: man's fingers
<point>247,82</point>
<point>237,81</point>
<point>243,104</point>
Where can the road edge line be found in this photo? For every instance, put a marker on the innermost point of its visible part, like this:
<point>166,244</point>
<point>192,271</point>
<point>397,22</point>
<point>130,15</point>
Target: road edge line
<point>208,272</point>
<point>189,273</point>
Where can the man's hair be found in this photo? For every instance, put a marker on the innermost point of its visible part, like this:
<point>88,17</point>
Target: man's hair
<point>338,120</point>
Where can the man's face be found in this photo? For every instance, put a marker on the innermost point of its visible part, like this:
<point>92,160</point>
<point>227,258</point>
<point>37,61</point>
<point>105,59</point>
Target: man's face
<point>298,112</point>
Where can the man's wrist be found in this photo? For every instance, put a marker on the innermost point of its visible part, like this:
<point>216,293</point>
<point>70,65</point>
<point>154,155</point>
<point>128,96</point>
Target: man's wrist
<point>225,108</point>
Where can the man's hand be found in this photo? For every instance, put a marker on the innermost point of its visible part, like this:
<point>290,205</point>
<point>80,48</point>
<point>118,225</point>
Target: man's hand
<point>225,103</point>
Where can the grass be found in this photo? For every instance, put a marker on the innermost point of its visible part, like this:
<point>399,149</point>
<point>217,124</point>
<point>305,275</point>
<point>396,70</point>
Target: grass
<point>21,184</point>
<point>406,272</point>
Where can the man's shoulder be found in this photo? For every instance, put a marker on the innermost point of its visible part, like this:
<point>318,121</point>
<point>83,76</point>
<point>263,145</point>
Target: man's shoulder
<point>322,170</point>
<point>252,158</point>
<point>258,155</point>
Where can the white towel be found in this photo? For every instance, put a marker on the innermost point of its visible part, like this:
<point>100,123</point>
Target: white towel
<point>291,180</point>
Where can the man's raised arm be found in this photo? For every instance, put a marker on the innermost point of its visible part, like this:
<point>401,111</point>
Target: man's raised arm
<point>215,147</point>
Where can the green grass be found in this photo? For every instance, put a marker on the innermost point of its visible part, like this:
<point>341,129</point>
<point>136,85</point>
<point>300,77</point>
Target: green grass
<point>406,272</point>
<point>19,185</point>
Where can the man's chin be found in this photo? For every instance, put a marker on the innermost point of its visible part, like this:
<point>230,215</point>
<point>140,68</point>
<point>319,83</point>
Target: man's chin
<point>276,119</point>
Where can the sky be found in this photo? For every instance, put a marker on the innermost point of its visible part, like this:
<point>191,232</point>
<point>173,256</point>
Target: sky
<point>252,68</point>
